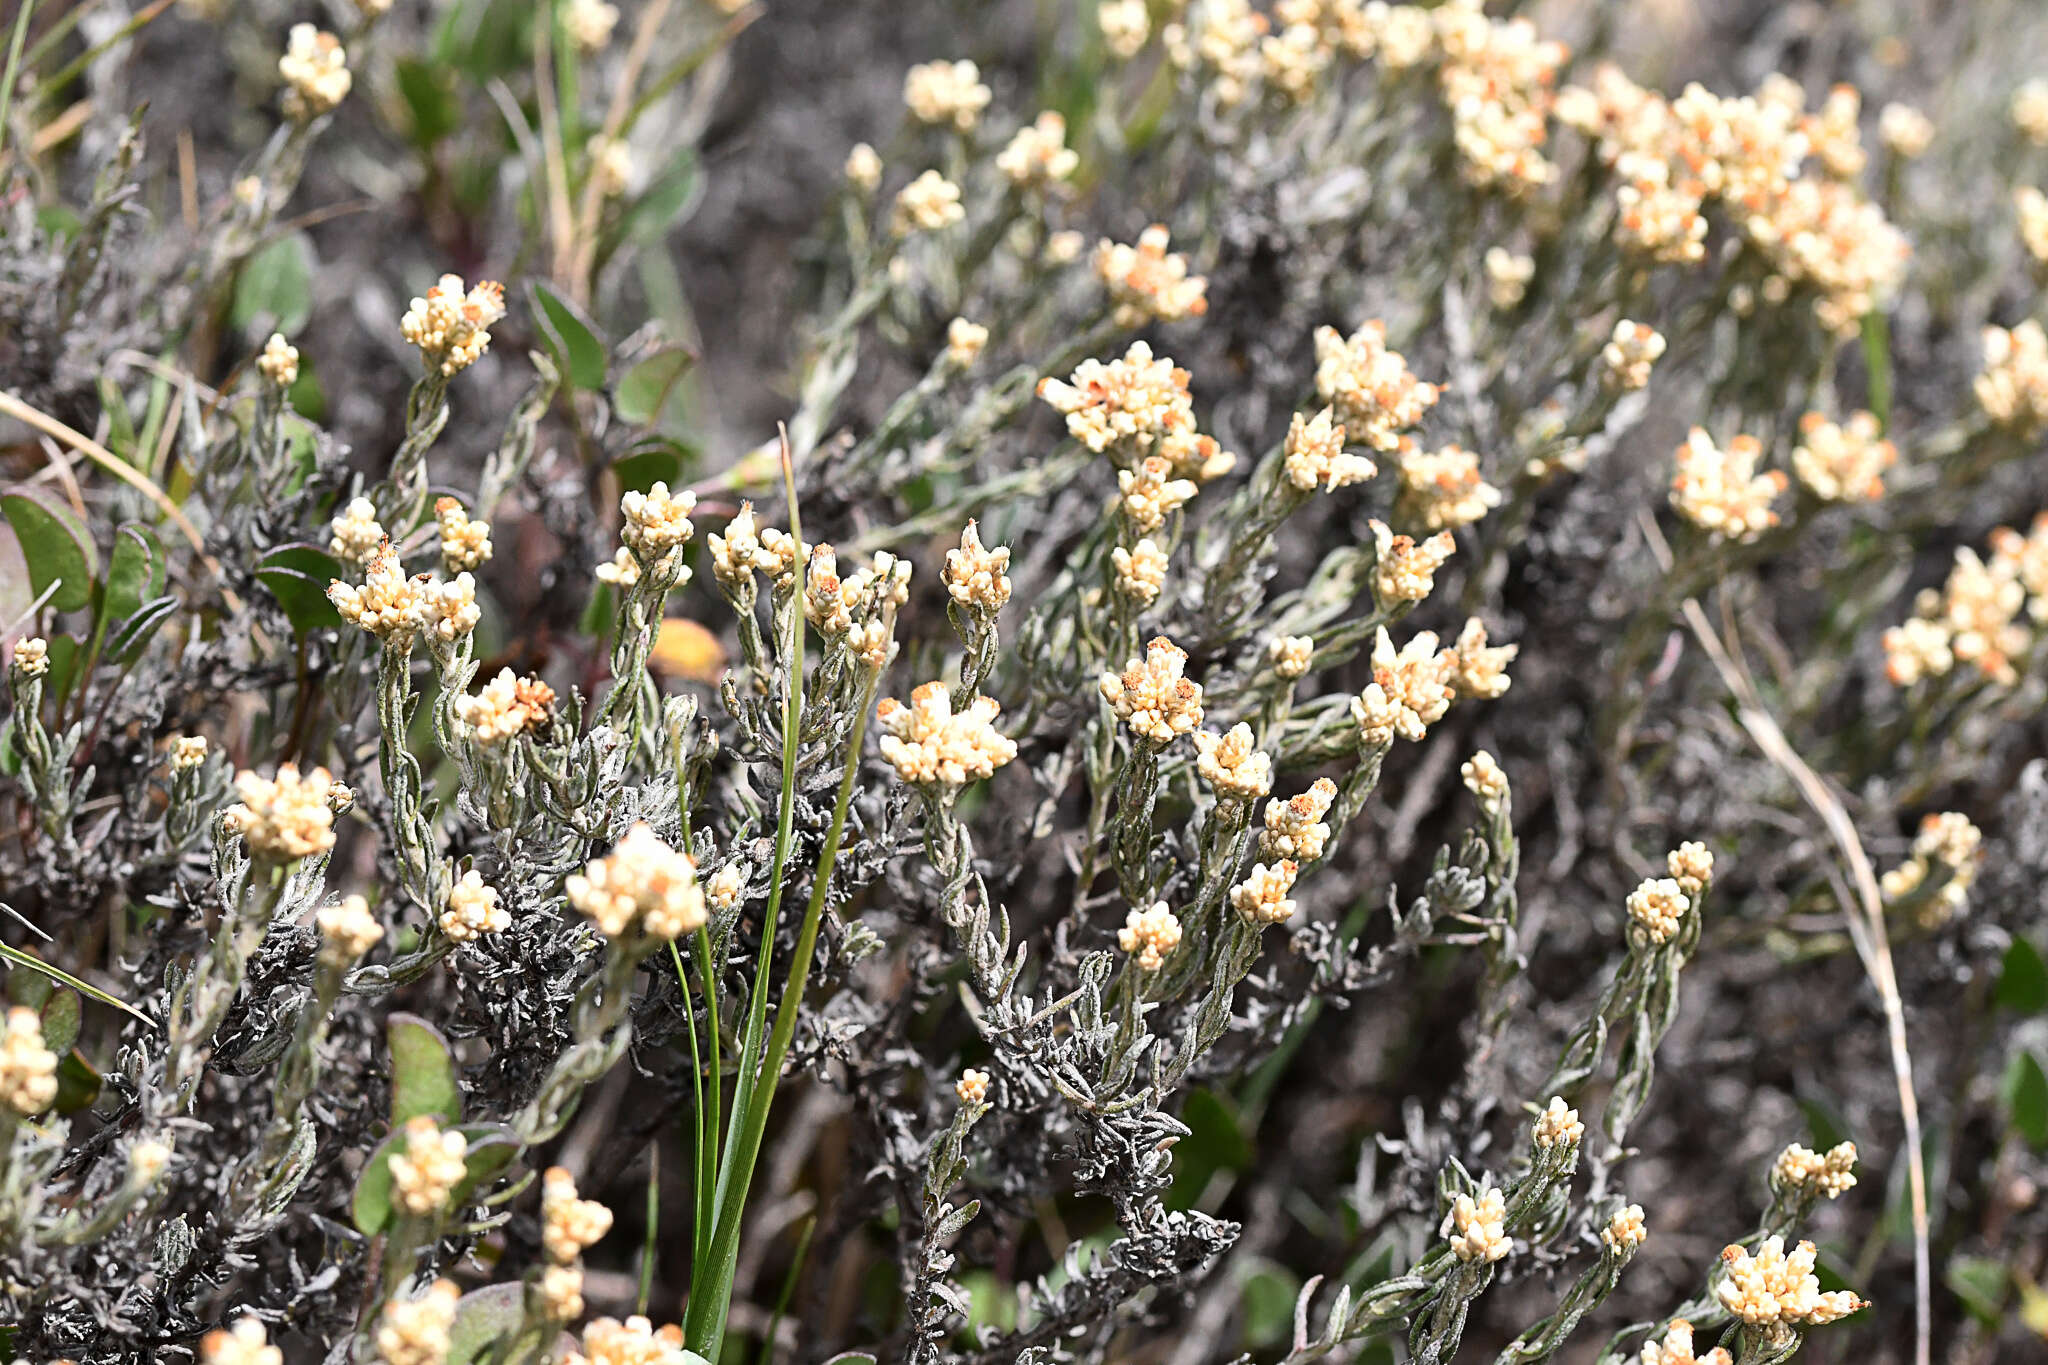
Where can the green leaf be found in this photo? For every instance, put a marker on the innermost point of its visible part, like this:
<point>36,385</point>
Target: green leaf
<point>483,1318</point>
<point>485,38</point>
<point>492,1147</point>
<point>645,390</point>
<point>1267,1295</point>
<point>17,596</point>
<point>370,1206</point>
<point>571,336</point>
<point>274,291</point>
<point>1824,1122</point>
<point>667,201</point>
<point>135,576</point>
<point>2025,1092</point>
<point>63,667</point>
<point>131,635</point>
<point>55,545</point>
<point>1214,1143</point>
<point>428,89</point>
<point>647,462</point>
<point>78,1085</point>
<point>297,576</point>
<point>60,1018</point>
<point>2023,978</point>
<point>1877,359</point>
<point>1980,1282</point>
<point>423,1077</point>
<point>34,964</point>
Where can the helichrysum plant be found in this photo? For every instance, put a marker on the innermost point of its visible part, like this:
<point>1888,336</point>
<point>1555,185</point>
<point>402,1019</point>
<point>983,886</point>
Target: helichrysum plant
<point>1333,680</point>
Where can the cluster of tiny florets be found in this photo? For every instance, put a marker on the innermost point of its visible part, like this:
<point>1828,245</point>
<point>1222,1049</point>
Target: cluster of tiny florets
<point>1484,778</point>
<point>1657,907</point>
<point>1233,764</point>
<point>1481,1226</point>
<point>1404,569</point>
<point>569,1225</point>
<point>946,93</point>
<point>1677,1349</point>
<point>1369,386</point>
<point>315,71</point>
<point>927,204</point>
<point>473,910</point>
<point>505,707</point>
<point>1038,154</point>
<point>1148,283</point>
<point>28,1070</point>
<point>278,362</point>
<point>1444,489</point>
<point>285,817</point>
<point>978,576</point>
<point>246,1343</point>
<point>642,886</point>
<point>347,930</point>
<point>1313,455</point>
<point>1831,1173</point>
<point>1154,696</point>
<point>1262,897</point>
<point>426,1170</point>
<point>2013,386</point>
<point>465,542</point>
<point>1770,1286</point>
<point>1149,935</point>
<point>1557,1126</point>
<point>1842,462</point>
<point>1409,692</point>
<point>416,1331</point>
<point>1295,827</point>
<point>356,534</point>
<point>451,325</point>
<point>1718,489</point>
<point>932,745</point>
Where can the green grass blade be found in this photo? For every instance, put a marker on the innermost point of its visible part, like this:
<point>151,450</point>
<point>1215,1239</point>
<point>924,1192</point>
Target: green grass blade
<point>15,955</point>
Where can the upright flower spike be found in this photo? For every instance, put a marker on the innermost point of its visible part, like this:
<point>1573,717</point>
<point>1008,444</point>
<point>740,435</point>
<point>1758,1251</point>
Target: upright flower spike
<point>451,326</point>
<point>1484,778</point>
<point>978,577</point>
<point>1153,696</point>
<point>657,526</point>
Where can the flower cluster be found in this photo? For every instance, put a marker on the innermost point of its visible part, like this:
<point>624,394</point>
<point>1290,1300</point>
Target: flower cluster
<point>1484,778</point>
<point>1677,1349</point>
<point>569,1225</point>
<point>976,576</point>
<point>1720,491</point>
<point>347,930</point>
<point>1153,695</point>
<point>246,1343</point>
<point>426,1170</point>
<point>28,1070</point>
<point>1558,1126</point>
<point>279,361</point>
<point>1629,354</point>
<point>1038,154</point>
<point>1626,1230</point>
<point>1261,898</point>
<point>932,745</point>
<point>1148,283</point>
<point>356,534</point>
<point>1973,619</point>
<point>1481,1225</point>
<point>505,707</point>
<point>1313,456</point>
<point>1132,407</point>
<point>389,605</point>
<point>1443,489</point>
<point>473,910</point>
<point>657,526</point>
<point>286,817</point>
<point>636,1341</point>
<point>2013,387</point>
<point>1404,570</point>
<point>946,93</point>
<point>1295,828</point>
<point>1140,572</point>
<point>1656,909</point>
<point>451,326</point>
<point>1149,493</point>
<point>465,543</point>
<point>927,204</point>
<point>1768,1287</point>
<point>1369,386</point>
<point>641,886</point>
<point>32,657</point>
<point>1409,692</point>
<point>1948,842</point>
<point>1291,655</point>
<point>1232,764</point>
<point>415,1331</point>
<point>315,71</point>
<point>972,1087</point>
<point>1149,935</point>
<point>1845,462</point>
<point>1831,1173</point>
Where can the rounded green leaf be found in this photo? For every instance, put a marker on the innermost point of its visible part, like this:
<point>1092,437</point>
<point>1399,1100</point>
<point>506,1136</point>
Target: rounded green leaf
<point>423,1077</point>
<point>297,576</point>
<point>274,291</point>
<point>2023,978</point>
<point>60,1017</point>
<point>54,545</point>
<point>645,390</point>
<point>571,336</point>
<point>483,1318</point>
<point>370,1207</point>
